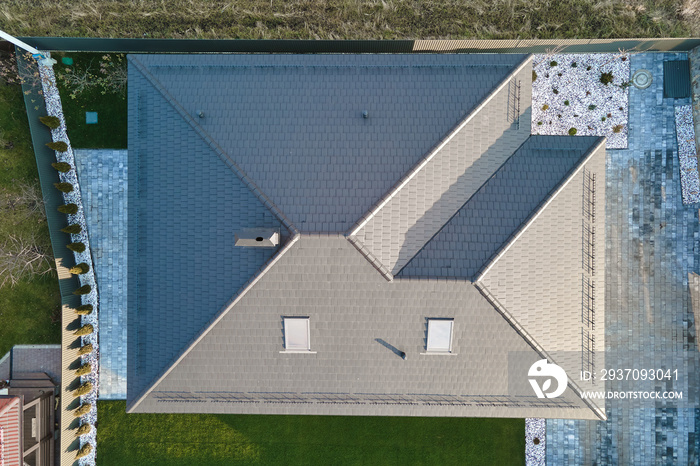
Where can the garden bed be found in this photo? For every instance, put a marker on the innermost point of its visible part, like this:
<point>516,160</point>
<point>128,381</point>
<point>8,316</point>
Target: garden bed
<point>685,134</point>
<point>583,95</point>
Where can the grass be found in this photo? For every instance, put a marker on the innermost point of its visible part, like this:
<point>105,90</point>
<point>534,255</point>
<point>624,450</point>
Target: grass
<point>352,19</point>
<point>185,439</point>
<point>28,309</point>
<point>110,132</point>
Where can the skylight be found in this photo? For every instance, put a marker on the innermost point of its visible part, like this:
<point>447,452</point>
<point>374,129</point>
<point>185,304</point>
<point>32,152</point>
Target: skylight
<point>440,335</point>
<point>296,334</point>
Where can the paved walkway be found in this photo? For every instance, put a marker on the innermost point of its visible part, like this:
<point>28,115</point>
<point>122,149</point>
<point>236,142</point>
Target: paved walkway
<point>652,244</point>
<point>102,175</point>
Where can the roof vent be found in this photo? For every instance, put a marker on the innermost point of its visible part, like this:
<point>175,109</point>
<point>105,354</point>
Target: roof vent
<point>200,114</point>
<point>257,238</point>
<point>365,114</point>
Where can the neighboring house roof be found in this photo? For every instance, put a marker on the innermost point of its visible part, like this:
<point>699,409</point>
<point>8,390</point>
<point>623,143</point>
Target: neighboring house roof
<point>385,221</point>
<point>10,431</point>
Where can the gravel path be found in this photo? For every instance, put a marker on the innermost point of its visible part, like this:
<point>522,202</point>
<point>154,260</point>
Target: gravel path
<point>535,452</point>
<point>685,133</point>
<point>567,94</point>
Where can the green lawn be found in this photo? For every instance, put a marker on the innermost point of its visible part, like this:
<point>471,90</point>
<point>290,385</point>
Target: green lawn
<point>111,128</point>
<point>25,309</point>
<point>187,439</point>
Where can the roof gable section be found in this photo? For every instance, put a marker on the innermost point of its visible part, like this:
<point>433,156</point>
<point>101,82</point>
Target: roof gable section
<point>185,205</point>
<point>294,123</point>
<point>499,208</point>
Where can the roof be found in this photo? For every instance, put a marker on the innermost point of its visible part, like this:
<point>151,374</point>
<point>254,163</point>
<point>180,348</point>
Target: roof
<point>10,431</point>
<point>368,208</point>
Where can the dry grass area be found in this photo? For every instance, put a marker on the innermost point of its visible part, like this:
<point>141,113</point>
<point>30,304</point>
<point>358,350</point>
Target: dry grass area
<point>352,19</point>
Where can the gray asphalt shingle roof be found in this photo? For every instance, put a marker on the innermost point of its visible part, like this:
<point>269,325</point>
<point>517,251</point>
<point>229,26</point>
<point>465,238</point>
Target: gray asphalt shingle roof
<point>282,141</point>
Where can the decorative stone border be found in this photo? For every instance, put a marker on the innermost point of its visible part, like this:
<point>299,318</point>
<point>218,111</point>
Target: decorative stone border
<point>685,134</point>
<point>54,108</point>
<point>535,442</point>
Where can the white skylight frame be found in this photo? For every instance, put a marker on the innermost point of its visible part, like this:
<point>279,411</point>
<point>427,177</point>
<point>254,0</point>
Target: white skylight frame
<point>297,334</point>
<point>440,336</point>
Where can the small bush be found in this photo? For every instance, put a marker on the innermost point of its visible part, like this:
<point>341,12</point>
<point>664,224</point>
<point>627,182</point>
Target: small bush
<point>64,187</point>
<point>72,229</point>
<point>84,310</point>
<point>62,167</point>
<point>606,78</point>
<point>85,289</point>
<point>84,369</point>
<point>534,76</point>
<point>58,146</point>
<point>545,107</point>
<point>553,63</point>
<point>84,451</point>
<point>566,102</point>
<point>617,128</point>
<point>572,131</point>
<point>592,107</point>
<point>50,121</point>
<point>588,68</point>
<point>560,74</point>
<point>80,269</point>
<point>574,64</point>
<point>83,430</point>
<point>82,409</point>
<point>83,389</point>
<point>555,90</point>
<point>77,247</point>
<point>68,209</point>
<point>86,329</point>
<point>603,119</point>
<point>539,123</point>
<point>85,349</point>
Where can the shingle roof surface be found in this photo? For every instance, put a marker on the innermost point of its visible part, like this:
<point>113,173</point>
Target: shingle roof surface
<point>494,213</point>
<point>184,206</point>
<point>294,122</point>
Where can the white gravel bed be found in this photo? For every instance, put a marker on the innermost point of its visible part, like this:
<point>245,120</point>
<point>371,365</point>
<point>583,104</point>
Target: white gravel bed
<point>687,155</point>
<point>535,453</point>
<point>577,99</point>
<point>54,108</point>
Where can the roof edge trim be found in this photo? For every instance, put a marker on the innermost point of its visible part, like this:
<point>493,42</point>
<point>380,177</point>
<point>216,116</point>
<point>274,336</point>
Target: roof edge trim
<point>592,151</point>
<point>360,224</point>
<point>223,155</point>
<point>535,346</point>
<point>220,315</point>
<point>367,254</point>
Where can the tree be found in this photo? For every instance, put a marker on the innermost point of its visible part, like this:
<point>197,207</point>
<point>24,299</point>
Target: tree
<point>83,430</point>
<point>58,146</point>
<point>80,269</point>
<point>62,167</point>
<point>64,187</point>
<point>77,247</point>
<point>68,209</point>
<point>50,121</point>
<point>86,329</point>
<point>84,369</point>
<point>84,310</point>
<point>85,289</point>
<point>83,409</point>
<point>84,451</point>
<point>85,349</point>
<point>73,229</point>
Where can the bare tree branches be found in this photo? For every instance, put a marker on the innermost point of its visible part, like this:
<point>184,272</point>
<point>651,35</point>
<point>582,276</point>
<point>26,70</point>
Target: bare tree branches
<point>26,201</point>
<point>20,258</point>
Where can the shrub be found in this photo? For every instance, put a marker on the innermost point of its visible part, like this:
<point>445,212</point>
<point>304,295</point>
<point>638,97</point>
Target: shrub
<point>85,349</point>
<point>539,123</point>
<point>566,102</point>
<point>553,63</point>
<point>82,409</point>
<point>85,289</point>
<point>588,68</point>
<point>64,187</point>
<point>80,269</point>
<point>545,107</point>
<point>534,76</point>
<point>572,131</point>
<point>617,128</point>
<point>84,310</point>
<point>555,90</point>
<point>592,107</point>
<point>58,146</point>
<point>68,209</point>
<point>62,167</point>
<point>50,121</point>
<point>84,369</point>
<point>77,247</point>
<point>83,430</point>
<point>574,64</point>
<point>72,229</point>
<point>606,78</point>
<point>86,329</point>
<point>603,119</point>
<point>83,389</point>
<point>84,451</point>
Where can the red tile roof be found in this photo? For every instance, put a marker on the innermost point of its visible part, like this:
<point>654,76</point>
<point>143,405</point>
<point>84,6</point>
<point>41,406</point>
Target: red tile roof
<point>10,453</point>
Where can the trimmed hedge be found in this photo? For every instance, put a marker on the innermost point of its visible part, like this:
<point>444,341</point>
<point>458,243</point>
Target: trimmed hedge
<point>72,229</point>
<point>80,269</point>
<point>86,329</point>
<point>85,349</point>
<point>85,289</point>
<point>68,208</point>
<point>84,369</point>
<point>62,167</point>
<point>64,187</point>
<point>83,430</point>
<point>82,409</point>
<point>84,389</point>
<point>83,310</point>
<point>58,146</point>
<point>84,451</point>
<point>50,121</point>
<point>77,247</point>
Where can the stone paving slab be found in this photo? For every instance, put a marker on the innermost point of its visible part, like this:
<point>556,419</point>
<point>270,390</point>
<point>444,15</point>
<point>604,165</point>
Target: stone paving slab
<point>652,245</point>
<point>103,182</point>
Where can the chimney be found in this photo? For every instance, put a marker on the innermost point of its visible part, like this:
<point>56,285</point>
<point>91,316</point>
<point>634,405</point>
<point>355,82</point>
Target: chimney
<point>257,238</point>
